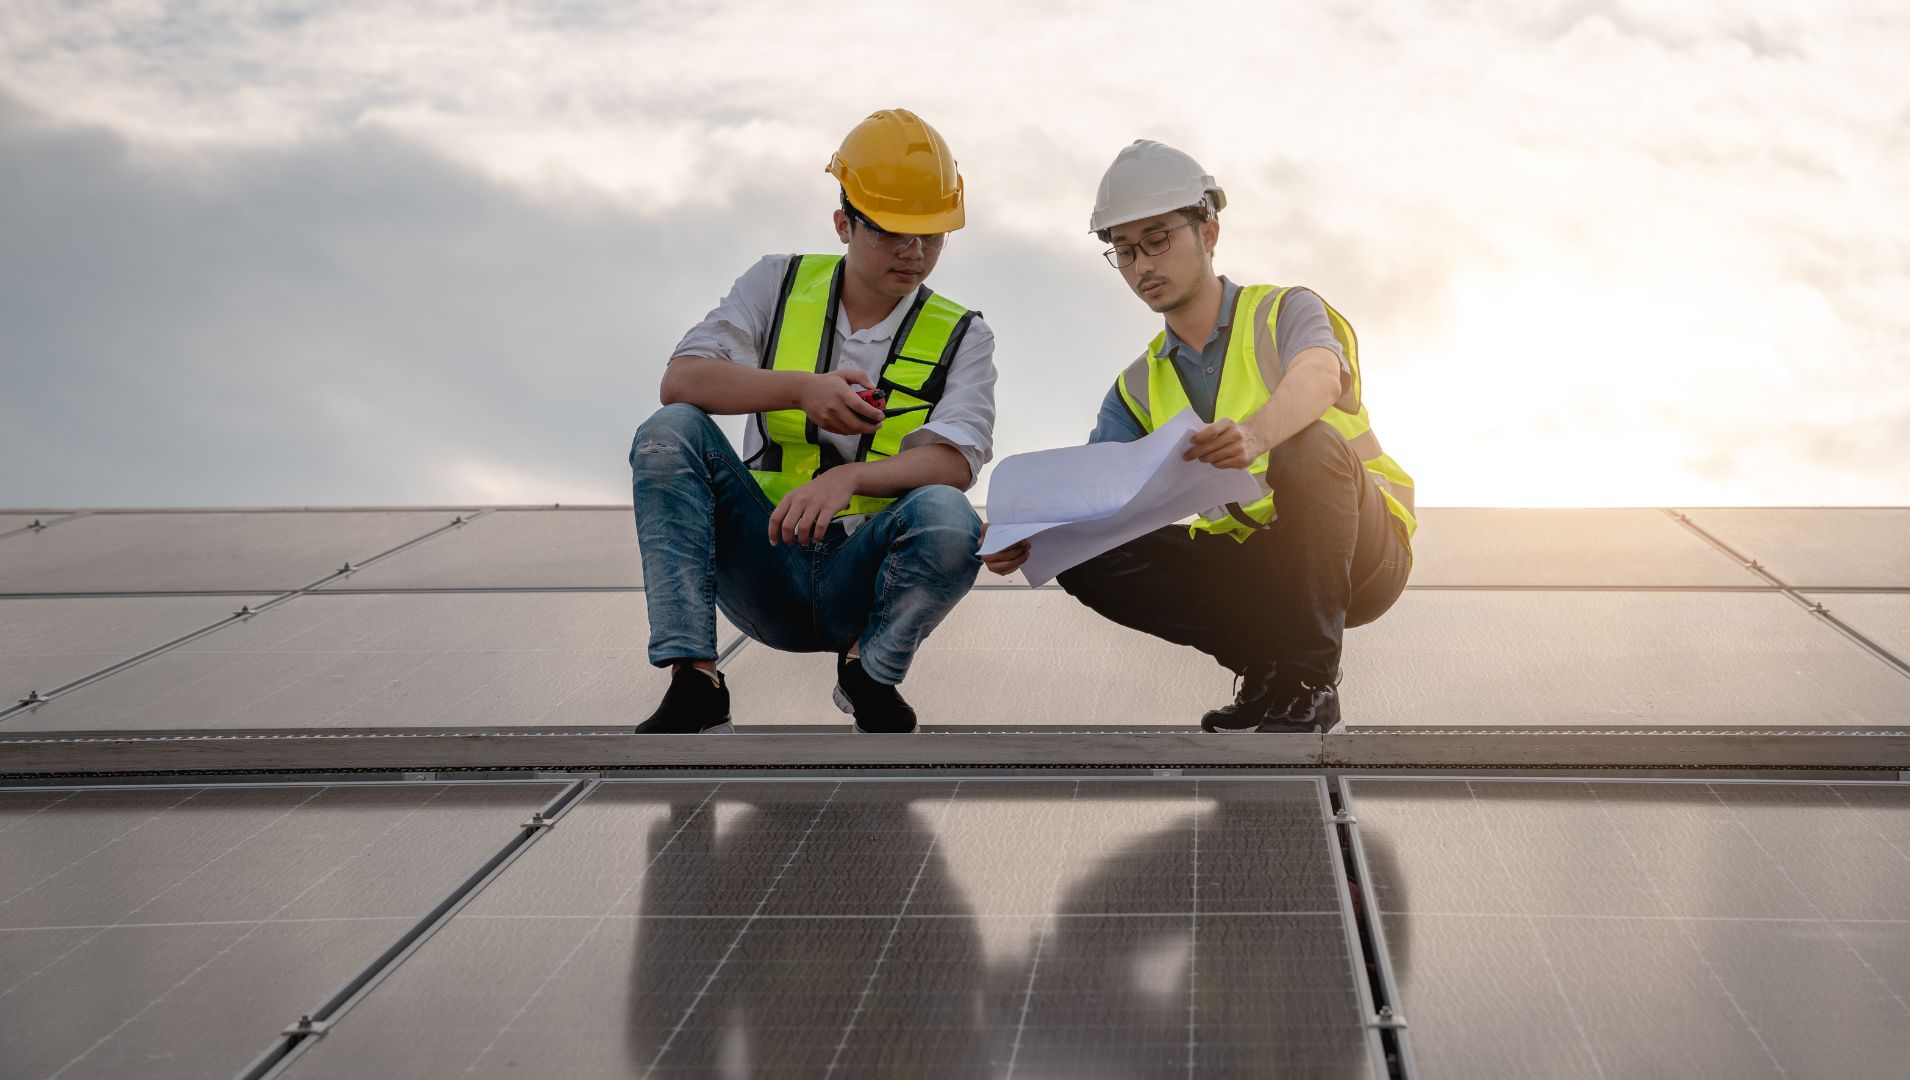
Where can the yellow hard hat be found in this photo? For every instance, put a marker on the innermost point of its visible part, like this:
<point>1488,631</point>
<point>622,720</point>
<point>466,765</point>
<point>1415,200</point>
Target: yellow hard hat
<point>897,170</point>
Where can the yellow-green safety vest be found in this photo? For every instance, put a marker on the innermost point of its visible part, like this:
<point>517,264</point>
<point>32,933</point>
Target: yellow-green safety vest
<point>1153,391</point>
<point>802,337</point>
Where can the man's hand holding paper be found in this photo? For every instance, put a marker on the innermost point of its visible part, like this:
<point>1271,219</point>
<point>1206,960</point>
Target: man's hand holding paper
<point>1071,504</point>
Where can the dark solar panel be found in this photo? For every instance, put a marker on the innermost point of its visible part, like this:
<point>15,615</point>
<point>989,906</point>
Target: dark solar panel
<point>238,552</point>
<point>46,643</point>
<point>174,932</point>
<point>517,549</point>
<point>1819,547</point>
<point>1027,657</point>
<point>1618,658</point>
<point>1638,548</point>
<point>407,660</point>
<point>1618,928</point>
<point>879,928</point>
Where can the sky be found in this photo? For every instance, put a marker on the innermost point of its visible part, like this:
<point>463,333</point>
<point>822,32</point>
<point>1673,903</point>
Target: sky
<point>357,253</point>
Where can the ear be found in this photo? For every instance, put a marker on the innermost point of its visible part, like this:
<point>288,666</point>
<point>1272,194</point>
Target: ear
<point>842,226</point>
<point>1210,233</point>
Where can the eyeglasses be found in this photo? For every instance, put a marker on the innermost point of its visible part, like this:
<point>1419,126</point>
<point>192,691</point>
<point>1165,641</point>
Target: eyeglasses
<point>896,243</point>
<point>1154,243</point>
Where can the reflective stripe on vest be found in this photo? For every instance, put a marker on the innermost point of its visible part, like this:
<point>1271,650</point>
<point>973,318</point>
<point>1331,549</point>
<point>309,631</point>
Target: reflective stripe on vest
<point>802,336</point>
<point>1153,391</point>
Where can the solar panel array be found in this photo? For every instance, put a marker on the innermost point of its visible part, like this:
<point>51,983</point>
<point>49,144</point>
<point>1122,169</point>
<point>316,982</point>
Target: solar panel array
<point>535,618</point>
<point>938,923</point>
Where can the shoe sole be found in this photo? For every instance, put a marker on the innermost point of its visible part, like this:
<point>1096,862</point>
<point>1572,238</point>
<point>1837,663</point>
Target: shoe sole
<point>1220,730</point>
<point>842,702</point>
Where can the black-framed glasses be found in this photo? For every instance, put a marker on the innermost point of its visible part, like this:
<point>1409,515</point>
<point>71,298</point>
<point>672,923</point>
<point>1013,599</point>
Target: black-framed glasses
<point>1154,243</point>
<point>897,243</point>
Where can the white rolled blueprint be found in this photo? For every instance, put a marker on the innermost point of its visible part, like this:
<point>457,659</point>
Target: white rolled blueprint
<point>1076,502</point>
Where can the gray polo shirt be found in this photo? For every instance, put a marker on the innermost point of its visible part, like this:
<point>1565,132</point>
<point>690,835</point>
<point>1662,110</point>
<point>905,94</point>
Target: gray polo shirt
<point>1302,325</point>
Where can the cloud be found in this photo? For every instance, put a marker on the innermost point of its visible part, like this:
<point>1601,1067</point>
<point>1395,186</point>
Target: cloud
<point>1597,252</point>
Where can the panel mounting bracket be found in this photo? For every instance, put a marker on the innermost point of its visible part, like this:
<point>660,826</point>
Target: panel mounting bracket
<point>1387,1020</point>
<point>308,1026</point>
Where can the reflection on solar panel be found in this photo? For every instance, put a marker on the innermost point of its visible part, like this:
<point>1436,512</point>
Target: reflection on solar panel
<point>173,932</point>
<point>45,643</point>
<point>911,928</point>
<point>1884,618</point>
<point>429,660</point>
<point>238,552</point>
<point>1613,658</point>
<point>1819,548</point>
<point>1645,929</point>
<point>934,919</point>
<point>544,549</point>
<point>1568,548</point>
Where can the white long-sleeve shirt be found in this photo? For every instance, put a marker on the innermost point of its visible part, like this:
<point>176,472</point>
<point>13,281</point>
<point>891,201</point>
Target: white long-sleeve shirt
<point>737,330</point>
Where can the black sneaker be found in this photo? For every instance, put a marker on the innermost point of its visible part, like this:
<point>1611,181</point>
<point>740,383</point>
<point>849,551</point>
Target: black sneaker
<point>877,707</point>
<point>1253,692</point>
<point>694,703</point>
<point>1301,704</point>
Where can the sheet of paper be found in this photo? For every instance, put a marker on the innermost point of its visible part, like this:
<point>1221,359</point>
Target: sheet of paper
<point>1076,502</point>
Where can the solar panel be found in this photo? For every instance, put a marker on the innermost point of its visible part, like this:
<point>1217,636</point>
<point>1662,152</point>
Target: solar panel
<point>1884,618</point>
<point>394,660</point>
<point>876,928</point>
<point>1819,547</point>
<point>179,552</point>
<point>173,932</point>
<point>1027,657</point>
<point>47,643</point>
<point>1571,928</point>
<point>1637,548</point>
<point>517,549</point>
<point>1612,658</point>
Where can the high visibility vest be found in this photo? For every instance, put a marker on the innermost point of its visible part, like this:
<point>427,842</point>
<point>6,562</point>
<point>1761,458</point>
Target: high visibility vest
<point>1155,394</point>
<point>802,337</point>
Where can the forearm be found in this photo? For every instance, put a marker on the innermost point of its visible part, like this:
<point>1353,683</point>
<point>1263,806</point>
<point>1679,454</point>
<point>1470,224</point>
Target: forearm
<point>920,466</point>
<point>1311,385</point>
<point>721,388</point>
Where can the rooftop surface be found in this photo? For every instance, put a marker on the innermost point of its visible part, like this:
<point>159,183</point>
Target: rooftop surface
<point>351,793</point>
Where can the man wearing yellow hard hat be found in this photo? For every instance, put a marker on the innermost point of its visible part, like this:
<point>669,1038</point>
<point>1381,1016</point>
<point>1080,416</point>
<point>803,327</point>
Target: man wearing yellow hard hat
<point>1267,589</point>
<point>842,526</point>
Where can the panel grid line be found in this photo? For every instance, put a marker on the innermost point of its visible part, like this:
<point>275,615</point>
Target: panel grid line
<point>1193,937</point>
<point>256,924</point>
<point>276,601</point>
<point>768,892</point>
<point>1041,937</point>
<point>1691,941</point>
<point>882,957</point>
<point>1551,969</point>
<point>584,939</point>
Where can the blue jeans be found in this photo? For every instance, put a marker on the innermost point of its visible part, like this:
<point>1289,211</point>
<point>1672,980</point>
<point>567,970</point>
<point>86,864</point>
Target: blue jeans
<point>703,524</point>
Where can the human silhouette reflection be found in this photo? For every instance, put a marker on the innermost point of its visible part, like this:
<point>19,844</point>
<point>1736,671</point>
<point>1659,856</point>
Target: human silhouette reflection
<point>1269,966</point>
<point>795,976</point>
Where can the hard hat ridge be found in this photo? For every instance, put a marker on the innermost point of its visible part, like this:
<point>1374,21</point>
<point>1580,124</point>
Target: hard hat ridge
<point>1149,178</point>
<point>899,173</point>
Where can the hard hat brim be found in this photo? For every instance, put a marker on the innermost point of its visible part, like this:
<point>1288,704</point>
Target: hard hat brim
<point>943,221</point>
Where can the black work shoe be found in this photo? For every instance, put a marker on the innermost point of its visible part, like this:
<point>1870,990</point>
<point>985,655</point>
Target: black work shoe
<point>877,707</point>
<point>694,703</point>
<point>1302,704</point>
<point>1252,698</point>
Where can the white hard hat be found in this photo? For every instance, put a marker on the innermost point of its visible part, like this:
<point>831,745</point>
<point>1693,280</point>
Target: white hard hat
<point>1149,178</point>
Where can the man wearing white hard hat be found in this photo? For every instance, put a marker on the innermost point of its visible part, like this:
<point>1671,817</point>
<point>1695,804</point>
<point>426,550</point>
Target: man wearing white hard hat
<point>1267,589</point>
<point>842,526</point>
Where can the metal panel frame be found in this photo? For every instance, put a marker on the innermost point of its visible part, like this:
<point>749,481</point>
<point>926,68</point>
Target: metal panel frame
<point>308,1028</point>
<point>411,749</point>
